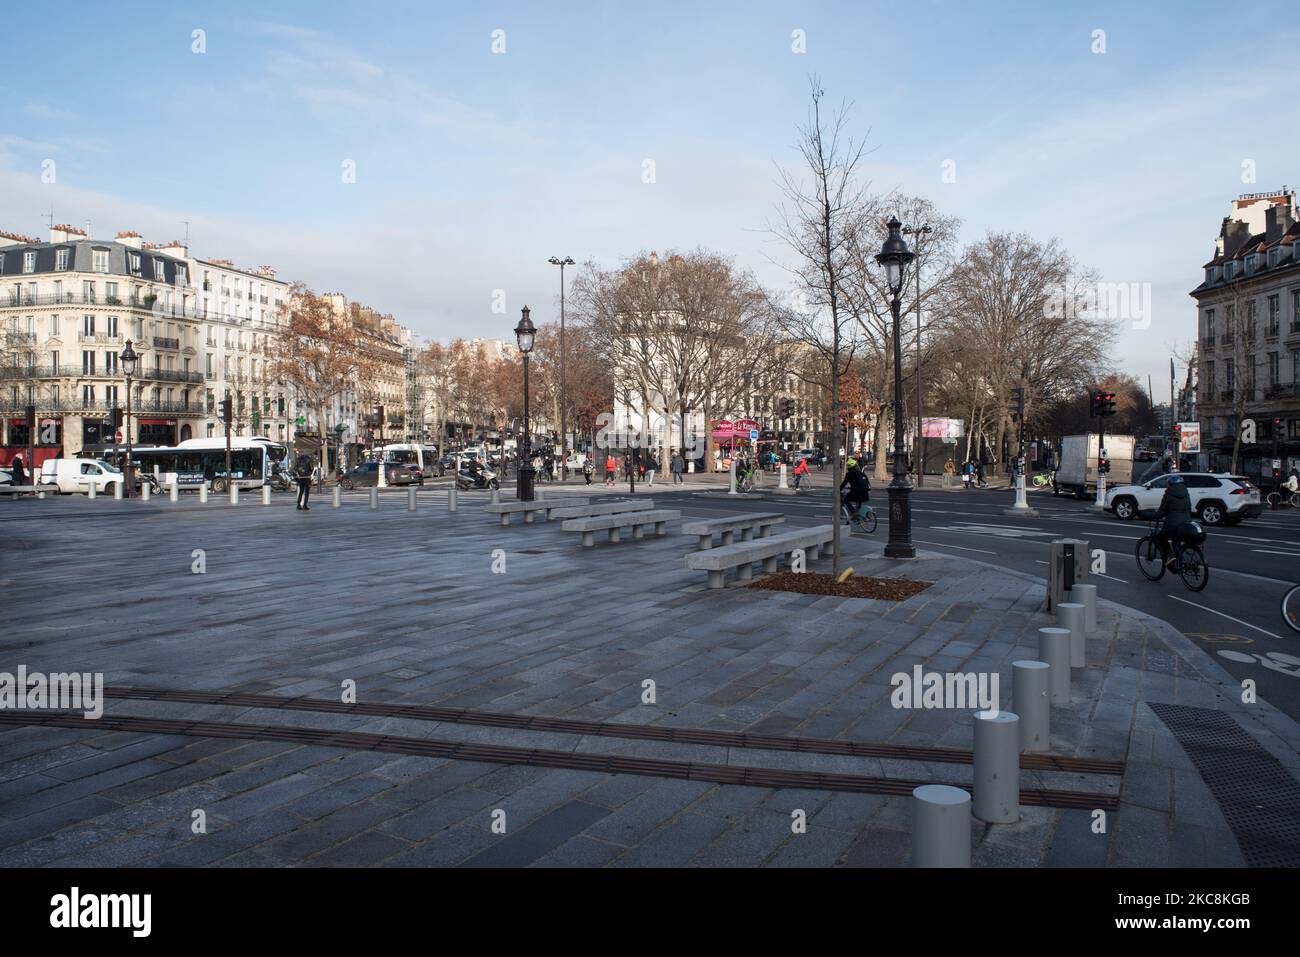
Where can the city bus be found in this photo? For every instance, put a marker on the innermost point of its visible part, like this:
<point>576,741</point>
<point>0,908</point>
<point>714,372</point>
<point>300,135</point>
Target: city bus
<point>253,460</point>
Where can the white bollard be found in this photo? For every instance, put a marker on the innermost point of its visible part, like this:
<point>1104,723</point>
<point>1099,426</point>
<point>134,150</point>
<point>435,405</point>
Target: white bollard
<point>410,499</point>
<point>451,499</point>
<point>1070,614</point>
<point>174,492</point>
<point>783,480</point>
<point>940,826</point>
<point>1029,698</point>
<point>117,491</point>
<point>234,494</point>
<point>203,494</point>
<point>1087,594</point>
<point>41,496</point>
<point>144,491</point>
<point>539,494</point>
<point>374,497</point>
<point>266,495</point>
<point>337,498</point>
<point>997,767</point>
<point>496,496</point>
<point>90,490</point>
<point>1054,648</point>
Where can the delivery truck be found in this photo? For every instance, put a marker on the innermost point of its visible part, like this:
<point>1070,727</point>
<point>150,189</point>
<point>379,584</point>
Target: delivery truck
<point>1077,472</point>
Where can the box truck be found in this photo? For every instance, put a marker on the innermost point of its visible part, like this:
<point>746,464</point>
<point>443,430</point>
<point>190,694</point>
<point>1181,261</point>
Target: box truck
<point>1077,472</point>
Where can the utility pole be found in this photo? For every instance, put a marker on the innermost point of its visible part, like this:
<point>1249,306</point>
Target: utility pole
<point>920,440</point>
<point>564,394</point>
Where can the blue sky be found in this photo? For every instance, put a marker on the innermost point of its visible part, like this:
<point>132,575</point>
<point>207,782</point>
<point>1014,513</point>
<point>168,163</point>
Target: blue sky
<point>472,168</point>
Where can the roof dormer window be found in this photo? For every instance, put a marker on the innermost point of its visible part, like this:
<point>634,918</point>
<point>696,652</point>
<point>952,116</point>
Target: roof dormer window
<point>133,263</point>
<point>159,270</point>
<point>1251,263</point>
<point>61,259</point>
<point>99,260</point>
<point>1273,256</point>
<point>29,260</point>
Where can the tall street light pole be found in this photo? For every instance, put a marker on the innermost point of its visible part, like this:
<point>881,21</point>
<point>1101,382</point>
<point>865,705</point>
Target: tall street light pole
<point>129,360</point>
<point>920,440</point>
<point>894,256</point>
<point>525,335</point>
<point>564,393</point>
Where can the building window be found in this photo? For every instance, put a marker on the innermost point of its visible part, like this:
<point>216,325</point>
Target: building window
<point>54,325</point>
<point>110,396</point>
<point>88,396</point>
<point>1274,368</point>
<point>110,293</point>
<point>208,368</point>
<point>54,363</point>
<point>87,325</point>
<point>87,291</point>
<point>110,363</point>
<point>1209,324</point>
<point>1274,314</point>
<point>87,363</point>
<point>99,260</point>
<point>1252,318</point>
<point>159,270</point>
<point>29,261</point>
<point>1295,366</point>
<point>1295,310</point>
<point>1229,374</point>
<point>133,263</point>
<point>61,260</point>
<point>112,326</point>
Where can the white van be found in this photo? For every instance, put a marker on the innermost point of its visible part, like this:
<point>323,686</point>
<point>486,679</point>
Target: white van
<point>70,476</point>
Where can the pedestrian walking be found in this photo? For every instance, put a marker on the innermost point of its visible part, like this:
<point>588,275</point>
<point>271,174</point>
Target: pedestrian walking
<point>965,475</point>
<point>983,476</point>
<point>677,465</point>
<point>800,471</point>
<point>586,470</point>
<point>302,470</point>
<point>19,471</point>
<point>651,463</point>
<point>949,472</point>
<point>610,468</point>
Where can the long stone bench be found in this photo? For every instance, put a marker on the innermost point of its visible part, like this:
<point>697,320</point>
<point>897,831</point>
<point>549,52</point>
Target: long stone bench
<point>747,524</point>
<point>16,490</point>
<point>742,555</point>
<point>602,508</point>
<point>528,509</point>
<point>614,524</point>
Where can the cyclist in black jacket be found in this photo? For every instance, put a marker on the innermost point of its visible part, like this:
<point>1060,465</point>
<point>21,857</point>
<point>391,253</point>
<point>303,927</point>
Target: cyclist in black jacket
<point>858,484</point>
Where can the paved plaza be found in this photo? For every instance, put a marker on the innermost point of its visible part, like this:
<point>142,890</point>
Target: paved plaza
<point>506,671</point>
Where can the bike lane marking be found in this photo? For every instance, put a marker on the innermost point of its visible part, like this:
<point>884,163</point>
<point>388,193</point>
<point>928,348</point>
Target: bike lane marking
<point>1227,616</point>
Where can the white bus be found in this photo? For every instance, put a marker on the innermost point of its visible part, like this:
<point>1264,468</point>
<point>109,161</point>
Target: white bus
<point>253,460</point>
<point>407,453</point>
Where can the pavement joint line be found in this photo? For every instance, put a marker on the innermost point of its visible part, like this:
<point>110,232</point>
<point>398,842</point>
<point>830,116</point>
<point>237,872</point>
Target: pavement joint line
<point>1227,616</point>
<point>731,739</point>
<point>747,776</point>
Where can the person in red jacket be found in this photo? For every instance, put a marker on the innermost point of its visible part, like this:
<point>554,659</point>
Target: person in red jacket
<point>800,471</point>
<point>611,467</point>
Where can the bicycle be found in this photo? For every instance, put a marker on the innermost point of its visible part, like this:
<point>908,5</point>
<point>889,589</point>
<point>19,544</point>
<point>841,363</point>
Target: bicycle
<point>1291,608</point>
<point>863,520</point>
<point>1042,480</point>
<point>1286,497</point>
<point>1153,557</point>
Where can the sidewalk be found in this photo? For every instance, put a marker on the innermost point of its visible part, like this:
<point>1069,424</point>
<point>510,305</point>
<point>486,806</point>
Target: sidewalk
<point>409,608</point>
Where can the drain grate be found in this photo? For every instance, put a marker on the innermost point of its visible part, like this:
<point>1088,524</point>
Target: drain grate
<point>1258,796</point>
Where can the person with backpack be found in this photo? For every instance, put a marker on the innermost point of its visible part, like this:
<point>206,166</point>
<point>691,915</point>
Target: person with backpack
<point>302,471</point>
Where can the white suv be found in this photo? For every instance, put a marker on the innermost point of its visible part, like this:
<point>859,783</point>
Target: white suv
<point>1217,498</point>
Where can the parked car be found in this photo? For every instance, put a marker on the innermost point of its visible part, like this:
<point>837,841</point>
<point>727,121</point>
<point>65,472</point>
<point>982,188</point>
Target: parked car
<point>72,476</point>
<point>1217,497</point>
<point>6,476</point>
<point>367,474</point>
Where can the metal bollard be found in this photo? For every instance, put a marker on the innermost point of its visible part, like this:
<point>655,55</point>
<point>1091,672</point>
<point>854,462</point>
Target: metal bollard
<point>144,492</point>
<point>410,499</point>
<point>1054,648</point>
<point>1070,614</point>
<point>234,494</point>
<point>997,767</point>
<point>203,494</point>
<point>174,492</point>
<point>90,490</point>
<point>266,495</point>
<point>1029,696</point>
<point>496,496</point>
<point>1087,596</point>
<point>337,498</point>
<point>117,491</point>
<point>539,494</point>
<point>783,483</point>
<point>451,499</point>
<point>41,496</point>
<point>374,498</point>
<point>940,826</point>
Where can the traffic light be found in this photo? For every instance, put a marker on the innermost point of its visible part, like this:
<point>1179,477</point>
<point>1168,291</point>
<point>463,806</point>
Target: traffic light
<point>1277,428</point>
<point>379,414</point>
<point>1178,436</point>
<point>1108,403</point>
<point>1103,466</point>
<point>1017,404</point>
<point>115,418</point>
<point>227,410</point>
<point>1094,404</point>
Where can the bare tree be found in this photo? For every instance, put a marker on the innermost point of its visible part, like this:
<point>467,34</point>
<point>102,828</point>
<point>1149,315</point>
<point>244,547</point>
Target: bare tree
<point>815,222</point>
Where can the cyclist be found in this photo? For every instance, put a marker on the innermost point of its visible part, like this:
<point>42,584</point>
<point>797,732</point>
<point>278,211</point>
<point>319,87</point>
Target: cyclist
<point>858,485</point>
<point>1176,510</point>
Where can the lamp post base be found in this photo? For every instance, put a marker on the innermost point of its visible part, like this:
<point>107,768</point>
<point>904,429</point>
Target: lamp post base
<point>524,485</point>
<point>900,519</point>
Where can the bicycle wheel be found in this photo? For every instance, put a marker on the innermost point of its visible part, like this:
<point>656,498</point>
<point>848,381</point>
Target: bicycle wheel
<point>1291,608</point>
<point>1150,559</point>
<point>869,521</point>
<point>1295,499</point>
<point>1193,567</point>
<point>1273,499</point>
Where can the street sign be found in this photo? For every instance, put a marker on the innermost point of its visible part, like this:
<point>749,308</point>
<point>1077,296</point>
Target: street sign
<point>302,420</point>
<point>753,435</point>
<point>119,435</point>
<point>1189,439</point>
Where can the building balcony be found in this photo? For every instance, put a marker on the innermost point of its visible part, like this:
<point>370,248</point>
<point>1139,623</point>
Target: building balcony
<point>100,338</point>
<point>102,406</point>
<point>28,372</point>
<point>1282,392</point>
<point>162,342</point>
<point>169,375</point>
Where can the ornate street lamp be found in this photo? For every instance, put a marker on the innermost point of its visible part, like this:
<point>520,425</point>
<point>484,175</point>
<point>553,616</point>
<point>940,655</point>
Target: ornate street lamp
<point>564,395</point>
<point>524,335</point>
<point>129,360</point>
<point>894,257</point>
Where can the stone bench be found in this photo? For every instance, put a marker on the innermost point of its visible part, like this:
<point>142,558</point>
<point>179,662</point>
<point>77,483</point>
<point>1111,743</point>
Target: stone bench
<point>601,508</point>
<point>528,509</point>
<point>614,524</point>
<point>742,555</point>
<point>747,524</point>
<point>16,490</point>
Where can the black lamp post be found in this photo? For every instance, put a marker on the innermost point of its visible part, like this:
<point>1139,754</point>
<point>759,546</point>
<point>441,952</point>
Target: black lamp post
<point>130,360</point>
<point>524,335</point>
<point>564,395</point>
<point>894,257</point>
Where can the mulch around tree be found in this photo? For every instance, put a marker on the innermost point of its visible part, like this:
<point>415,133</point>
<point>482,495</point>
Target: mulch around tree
<point>808,583</point>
